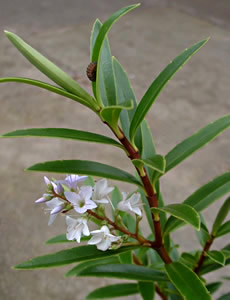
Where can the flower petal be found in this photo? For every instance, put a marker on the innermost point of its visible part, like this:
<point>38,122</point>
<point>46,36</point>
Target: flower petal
<point>95,240</point>
<point>71,197</point>
<point>51,219</point>
<point>104,245</point>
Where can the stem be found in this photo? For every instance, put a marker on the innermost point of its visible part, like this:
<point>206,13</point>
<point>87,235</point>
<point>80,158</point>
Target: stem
<point>140,239</point>
<point>151,196</point>
<point>207,246</point>
<point>160,293</point>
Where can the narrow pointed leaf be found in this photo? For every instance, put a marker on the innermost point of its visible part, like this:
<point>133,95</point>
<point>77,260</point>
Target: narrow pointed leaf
<point>84,167</point>
<point>216,256</point>
<point>202,198</point>
<point>183,212</point>
<point>187,282</point>
<point>196,141</point>
<point>157,163</point>
<point>224,229</point>
<point>222,214</point>
<point>147,210</point>
<point>47,67</point>
<point>69,256</point>
<point>122,271</point>
<point>61,238</point>
<point>213,286</point>
<point>113,291</point>
<point>147,290</point>
<point>64,133</point>
<point>51,88</point>
<point>224,297</point>
<point>106,27</point>
<point>158,84</point>
<point>90,263</point>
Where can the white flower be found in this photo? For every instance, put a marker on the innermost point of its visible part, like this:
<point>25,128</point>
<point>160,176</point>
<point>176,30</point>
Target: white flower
<point>71,181</point>
<point>56,206</point>
<point>102,238</point>
<point>131,204</point>
<point>100,191</point>
<point>76,228</point>
<point>81,201</point>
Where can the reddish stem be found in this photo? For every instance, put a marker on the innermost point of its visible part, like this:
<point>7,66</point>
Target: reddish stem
<point>207,246</point>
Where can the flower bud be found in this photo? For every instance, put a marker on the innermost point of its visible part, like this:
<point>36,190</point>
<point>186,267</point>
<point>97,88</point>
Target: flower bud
<point>41,200</point>
<point>56,210</point>
<point>59,189</point>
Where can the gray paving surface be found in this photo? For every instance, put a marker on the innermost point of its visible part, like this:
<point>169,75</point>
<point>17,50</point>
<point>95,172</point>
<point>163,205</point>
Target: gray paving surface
<point>144,41</point>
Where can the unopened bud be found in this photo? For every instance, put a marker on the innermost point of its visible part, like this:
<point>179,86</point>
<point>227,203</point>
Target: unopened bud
<point>59,189</point>
<point>41,200</point>
<point>56,210</point>
<point>115,246</point>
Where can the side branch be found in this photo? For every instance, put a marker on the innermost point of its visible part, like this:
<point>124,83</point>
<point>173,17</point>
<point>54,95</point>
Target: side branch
<point>207,246</point>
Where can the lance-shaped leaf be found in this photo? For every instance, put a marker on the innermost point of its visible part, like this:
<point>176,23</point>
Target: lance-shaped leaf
<point>196,141</point>
<point>49,87</point>
<point>158,84</point>
<point>114,291</point>
<point>212,287</point>
<point>157,163</point>
<point>84,167</point>
<point>111,114</point>
<point>224,229</point>
<point>224,297</point>
<point>146,290</point>
<point>90,263</point>
<point>187,282</point>
<point>222,214</point>
<point>202,198</point>
<point>183,212</point>
<point>147,210</point>
<point>64,133</point>
<point>48,68</point>
<point>61,238</point>
<point>216,256</point>
<point>122,271</point>
<point>106,27</point>
<point>69,256</point>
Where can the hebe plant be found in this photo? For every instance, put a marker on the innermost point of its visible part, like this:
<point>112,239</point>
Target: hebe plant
<point>118,248</point>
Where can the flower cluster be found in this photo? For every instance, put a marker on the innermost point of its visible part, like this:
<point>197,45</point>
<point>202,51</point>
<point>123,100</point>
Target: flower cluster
<point>72,194</point>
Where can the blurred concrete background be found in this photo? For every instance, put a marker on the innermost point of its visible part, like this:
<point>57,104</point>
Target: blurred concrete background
<point>144,41</point>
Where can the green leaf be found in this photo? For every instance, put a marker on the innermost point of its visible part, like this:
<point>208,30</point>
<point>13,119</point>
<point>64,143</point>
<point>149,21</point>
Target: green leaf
<point>157,163</point>
<point>113,291</point>
<point>158,84</point>
<point>147,210</point>
<point>222,214</point>
<point>63,133</point>
<point>224,229</point>
<point>213,286</point>
<point>106,27</point>
<point>132,272</point>
<point>203,236</point>
<point>196,141</point>
<point>188,259</point>
<point>147,290</point>
<point>224,297</point>
<point>87,264</point>
<point>183,212</point>
<point>202,198</point>
<point>187,282</point>
<point>61,238</point>
<point>52,88</point>
<point>116,196</point>
<point>111,114</point>
<point>216,256</point>
<point>69,256</point>
<point>48,68</point>
<point>126,258</point>
<point>84,167</point>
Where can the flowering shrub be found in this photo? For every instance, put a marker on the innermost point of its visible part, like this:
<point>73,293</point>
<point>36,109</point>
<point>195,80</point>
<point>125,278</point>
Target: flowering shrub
<point>117,248</point>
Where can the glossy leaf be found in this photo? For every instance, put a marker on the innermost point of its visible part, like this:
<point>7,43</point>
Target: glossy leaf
<point>113,291</point>
<point>126,258</point>
<point>222,214</point>
<point>132,272</point>
<point>48,68</point>
<point>147,290</point>
<point>213,286</point>
<point>203,236</point>
<point>90,263</point>
<point>216,256</point>
<point>183,212</point>
<point>187,282</point>
<point>59,239</point>
<point>84,167</point>
<point>157,163</point>
<point>69,256</point>
<point>196,141</point>
<point>63,133</point>
<point>202,198</point>
<point>224,229</point>
<point>116,197</point>
<point>52,88</point>
<point>147,210</point>
<point>106,27</point>
<point>158,84</point>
